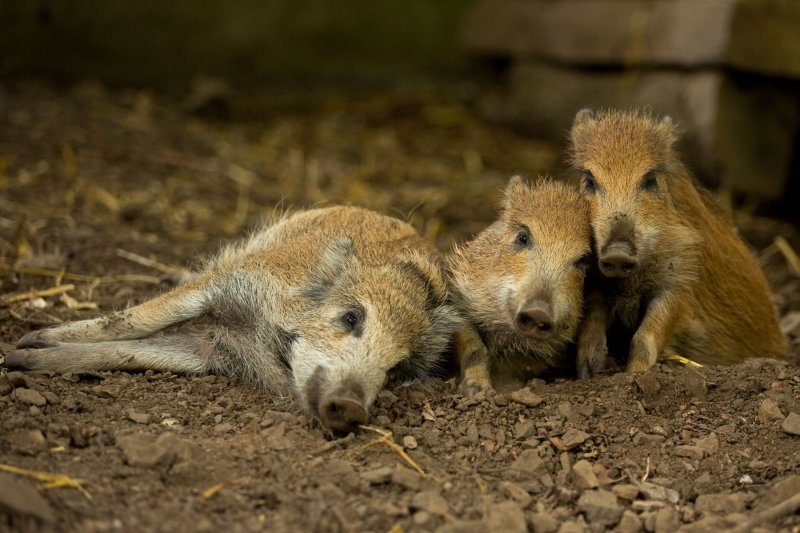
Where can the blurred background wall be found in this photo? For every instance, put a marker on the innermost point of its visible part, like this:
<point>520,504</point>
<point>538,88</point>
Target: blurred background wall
<point>728,70</point>
<point>250,42</point>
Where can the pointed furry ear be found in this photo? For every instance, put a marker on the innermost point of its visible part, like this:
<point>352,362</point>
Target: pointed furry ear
<point>516,186</point>
<point>667,129</point>
<point>429,275</point>
<point>335,260</point>
<point>584,116</point>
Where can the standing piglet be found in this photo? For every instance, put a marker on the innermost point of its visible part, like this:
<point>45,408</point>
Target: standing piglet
<point>674,275</point>
<point>328,304</point>
<point>520,281</point>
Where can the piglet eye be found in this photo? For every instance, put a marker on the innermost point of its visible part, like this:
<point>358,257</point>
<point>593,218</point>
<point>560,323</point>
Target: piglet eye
<point>350,320</point>
<point>522,239</point>
<point>650,182</point>
<point>589,184</point>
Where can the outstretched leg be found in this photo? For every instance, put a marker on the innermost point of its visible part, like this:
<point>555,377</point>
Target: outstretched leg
<point>179,352</point>
<point>184,303</point>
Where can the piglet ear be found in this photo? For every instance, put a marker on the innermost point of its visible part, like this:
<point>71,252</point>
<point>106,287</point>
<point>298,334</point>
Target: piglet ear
<point>667,129</point>
<point>421,269</point>
<point>337,258</point>
<point>516,187</point>
<point>584,116</point>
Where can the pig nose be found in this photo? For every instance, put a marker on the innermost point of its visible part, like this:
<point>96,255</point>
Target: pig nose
<point>535,319</point>
<point>618,260</point>
<point>341,413</point>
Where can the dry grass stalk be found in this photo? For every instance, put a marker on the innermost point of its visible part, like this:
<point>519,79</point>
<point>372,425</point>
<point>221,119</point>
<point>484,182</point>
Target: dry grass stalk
<point>386,438</point>
<point>47,273</point>
<point>211,491</point>
<point>675,358</point>
<point>50,481</point>
<point>151,263</point>
<point>33,293</point>
<point>789,254</point>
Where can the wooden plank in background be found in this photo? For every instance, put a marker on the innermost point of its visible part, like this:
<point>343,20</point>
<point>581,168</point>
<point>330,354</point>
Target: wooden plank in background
<point>761,36</point>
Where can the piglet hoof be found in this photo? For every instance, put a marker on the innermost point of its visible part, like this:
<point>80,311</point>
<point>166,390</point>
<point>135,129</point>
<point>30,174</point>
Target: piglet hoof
<point>470,388</point>
<point>591,366</point>
<point>36,339</point>
<point>638,366</point>
<point>16,359</point>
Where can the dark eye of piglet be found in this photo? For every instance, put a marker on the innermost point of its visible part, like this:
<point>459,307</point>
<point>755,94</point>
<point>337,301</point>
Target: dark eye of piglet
<point>352,320</point>
<point>523,238</point>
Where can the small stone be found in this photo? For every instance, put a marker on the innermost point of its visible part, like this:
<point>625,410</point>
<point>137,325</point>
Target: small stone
<point>377,475</point>
<point>727,429</point>
<point>648,384</point>
<point>17,497</point>
<point>409,442</point>
<point>512,490</point>
<point>387,398</point>
<point>642,439</point>
<point>29,396</point>
<point>745,480</point>
<point>145,451</point>
<point>421,518</point>
<point>583,475</point>
<point>17,379</point>
<point>625,491</point>
<point>709,444</point>
<point>780,491</point>
<point>472,433</point>
<point>648,506</point>
<point>106,391</point>
<point>544,522</point>
<point>51,397</point>
<point>406,477</point>
<point>667,520</point>
<point>629,523</point>
<point>600,506</point>
<point>703,482</point>
<point>769,411</point>
<point>139,418</point>
<point>524,429</point>
<point>572,526</point>
<point>721,504</point>
<point>652,491</point>
<point>574,437</point>
<point>690,452</point>
<point>224,427</point>
<point>431,501</point>
<point>26,441</point>
<point>528,461</point>
<point>462,526</point>
<point>566,410</point>
<point>526,397</point>
<point>507,517</point>
<point>791,424</point>
<point>694,382</point>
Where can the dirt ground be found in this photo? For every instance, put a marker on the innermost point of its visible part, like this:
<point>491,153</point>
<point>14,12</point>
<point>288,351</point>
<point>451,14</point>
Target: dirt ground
<point>89,177</point>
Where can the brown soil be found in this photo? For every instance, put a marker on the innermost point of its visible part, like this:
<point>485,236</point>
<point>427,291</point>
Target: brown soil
<point>84,172</point>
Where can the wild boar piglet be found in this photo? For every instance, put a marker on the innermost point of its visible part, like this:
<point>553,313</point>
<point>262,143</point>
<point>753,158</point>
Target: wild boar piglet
<point>328,305</point>
<point>520,281</point>
<point>675,277</point>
